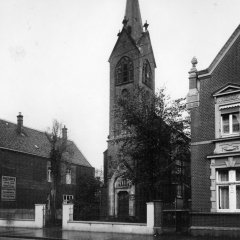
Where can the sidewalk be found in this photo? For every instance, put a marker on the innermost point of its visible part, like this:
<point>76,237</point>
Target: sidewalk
<point>57,233</point>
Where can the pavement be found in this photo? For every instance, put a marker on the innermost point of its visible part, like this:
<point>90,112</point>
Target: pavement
<point>55,233</point>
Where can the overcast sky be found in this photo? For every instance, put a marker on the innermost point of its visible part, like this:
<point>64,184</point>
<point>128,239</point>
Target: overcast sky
<point>54,57</point>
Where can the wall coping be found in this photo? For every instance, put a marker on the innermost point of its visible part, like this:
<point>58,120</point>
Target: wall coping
<point>215,213</point>
<point>109,223</point>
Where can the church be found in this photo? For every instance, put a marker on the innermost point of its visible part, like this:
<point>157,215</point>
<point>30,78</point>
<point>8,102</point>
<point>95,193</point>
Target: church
<point>132,64</point>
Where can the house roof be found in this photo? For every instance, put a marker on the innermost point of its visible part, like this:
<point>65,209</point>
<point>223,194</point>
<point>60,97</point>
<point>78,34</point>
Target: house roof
<point>222,52</point>
<point>33,142</point>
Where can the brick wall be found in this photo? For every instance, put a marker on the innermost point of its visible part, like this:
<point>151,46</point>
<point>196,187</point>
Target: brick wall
<point>203,125</point>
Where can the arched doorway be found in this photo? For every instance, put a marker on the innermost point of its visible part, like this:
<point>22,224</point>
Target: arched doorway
<point>123,205</point>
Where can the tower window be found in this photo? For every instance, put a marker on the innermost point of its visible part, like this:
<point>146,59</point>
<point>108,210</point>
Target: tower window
<point>124,71</point>
<point>147,74</point>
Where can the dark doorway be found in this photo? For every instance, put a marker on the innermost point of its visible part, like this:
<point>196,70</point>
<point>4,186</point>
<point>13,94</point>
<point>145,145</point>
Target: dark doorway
<point>123,205</point>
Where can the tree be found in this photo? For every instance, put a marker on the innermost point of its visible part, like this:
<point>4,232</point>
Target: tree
<point>154,133</point>
<point>61,153</point>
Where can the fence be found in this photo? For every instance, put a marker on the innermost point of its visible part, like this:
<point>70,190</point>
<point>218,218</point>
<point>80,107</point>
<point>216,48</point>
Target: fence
<point>153,222</point>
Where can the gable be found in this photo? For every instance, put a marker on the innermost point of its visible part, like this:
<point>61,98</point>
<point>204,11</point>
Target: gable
<point>227,90</point>
<point>124,42</point>
<point>227,49</point>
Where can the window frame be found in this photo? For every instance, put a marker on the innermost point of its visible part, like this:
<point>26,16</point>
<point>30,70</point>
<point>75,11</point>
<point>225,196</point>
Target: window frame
<point>232,184</point>
<point>68,176</point>
<point>69,198</point>
<point>148,81</point>
<point>49,174</point>
<point>124,71</point>
<point>230,120</point>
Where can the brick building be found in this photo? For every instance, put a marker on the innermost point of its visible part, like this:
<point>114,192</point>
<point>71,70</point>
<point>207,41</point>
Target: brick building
<point>214,103</point>
<point>25,167</point>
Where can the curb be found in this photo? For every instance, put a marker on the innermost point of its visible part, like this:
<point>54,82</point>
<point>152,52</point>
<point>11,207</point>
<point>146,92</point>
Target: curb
<point>29,237</point>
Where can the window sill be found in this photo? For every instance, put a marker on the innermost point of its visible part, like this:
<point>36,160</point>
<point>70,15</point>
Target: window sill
<point>227,138</point>
<point>123,83</point>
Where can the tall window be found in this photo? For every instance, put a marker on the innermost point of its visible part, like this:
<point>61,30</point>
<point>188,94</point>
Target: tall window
<point>124,71</point>
<point>228,190</point>
<point>147,74</point>
<point>68,176</point>
<point>49,174</point>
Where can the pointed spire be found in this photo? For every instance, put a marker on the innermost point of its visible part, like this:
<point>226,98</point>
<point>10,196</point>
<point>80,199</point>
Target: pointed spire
<point>133,17</point>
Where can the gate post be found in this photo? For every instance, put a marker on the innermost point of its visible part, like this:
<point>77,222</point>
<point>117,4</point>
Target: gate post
<point>158,215</point>
<point>67,214</point>
<point>154,216</point>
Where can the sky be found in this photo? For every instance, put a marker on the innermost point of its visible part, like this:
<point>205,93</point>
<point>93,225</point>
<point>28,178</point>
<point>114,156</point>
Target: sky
<point>54,57</point>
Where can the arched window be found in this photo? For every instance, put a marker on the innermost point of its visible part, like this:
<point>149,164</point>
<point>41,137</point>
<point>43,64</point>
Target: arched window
<point>124,71</point>
<point>147,74</point>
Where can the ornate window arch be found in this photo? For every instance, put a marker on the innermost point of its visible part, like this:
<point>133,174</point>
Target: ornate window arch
<point>147,73</point>
<point>124,70</point>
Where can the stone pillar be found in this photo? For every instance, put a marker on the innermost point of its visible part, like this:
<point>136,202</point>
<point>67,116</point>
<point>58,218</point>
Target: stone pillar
<point>132,200</point>
<point>67,214</point>
<point>111,197</point>
<point>158,207</point>
<point>40,215</point>
<point>150,214</point>
<point>154,216</point>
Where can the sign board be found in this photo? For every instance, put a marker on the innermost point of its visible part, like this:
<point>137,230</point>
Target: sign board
<point>8,192</point>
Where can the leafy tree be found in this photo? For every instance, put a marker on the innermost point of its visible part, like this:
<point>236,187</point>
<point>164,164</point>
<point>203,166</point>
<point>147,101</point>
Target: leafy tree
<point>153,132</point>
<point>87,203</point>
<point>61,153</point>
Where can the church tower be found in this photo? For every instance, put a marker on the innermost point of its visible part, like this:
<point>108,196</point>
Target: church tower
<point>132,64</point>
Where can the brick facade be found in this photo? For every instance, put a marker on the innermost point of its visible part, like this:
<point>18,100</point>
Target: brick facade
<point>26,157</point>
<point>210,91</point>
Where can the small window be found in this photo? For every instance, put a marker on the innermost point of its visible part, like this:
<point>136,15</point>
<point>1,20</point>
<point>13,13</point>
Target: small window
<point>68,176</point>
<point>223,197</point>
<point>230,123</point>
<point>67,199</point>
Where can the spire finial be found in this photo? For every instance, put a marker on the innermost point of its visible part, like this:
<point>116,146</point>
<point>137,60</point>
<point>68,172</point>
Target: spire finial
<point>146,26</point>
<point>194,62</point>
<point>125,21</point>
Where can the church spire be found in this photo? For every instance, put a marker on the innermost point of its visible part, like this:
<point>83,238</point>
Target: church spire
<point>133,18</point>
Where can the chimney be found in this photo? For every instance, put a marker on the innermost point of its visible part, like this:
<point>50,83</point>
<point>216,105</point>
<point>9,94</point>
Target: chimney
<point>64,134</point>
<point>20,123</point>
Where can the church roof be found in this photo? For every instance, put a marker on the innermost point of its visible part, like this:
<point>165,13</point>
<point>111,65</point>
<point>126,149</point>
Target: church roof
<point>134,19</point>
<point>33,142</point>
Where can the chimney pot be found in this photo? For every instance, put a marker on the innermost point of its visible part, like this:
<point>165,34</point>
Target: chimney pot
<point>20,122</point>
<point>64,133</point>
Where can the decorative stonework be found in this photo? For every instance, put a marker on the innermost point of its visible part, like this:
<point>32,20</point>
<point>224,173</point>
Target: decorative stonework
<point>227,147</point>
<point>230,162</point>
<point>229,98</point>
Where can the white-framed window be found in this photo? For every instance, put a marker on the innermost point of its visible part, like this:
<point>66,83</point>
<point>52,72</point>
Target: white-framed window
<point>228,190</point>
<point>49,174</point>
<point>230,121</point>
<point>68,176</point>
<point>67,198</point>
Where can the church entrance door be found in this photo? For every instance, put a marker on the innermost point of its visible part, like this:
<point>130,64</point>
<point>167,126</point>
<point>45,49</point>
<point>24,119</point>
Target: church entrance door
<point>123,205</point>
